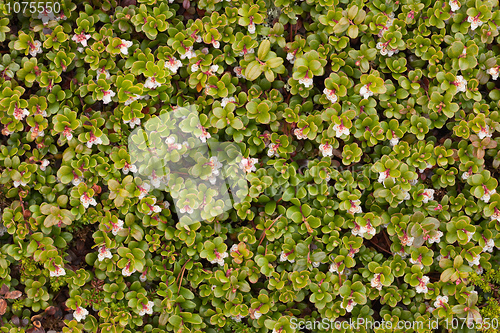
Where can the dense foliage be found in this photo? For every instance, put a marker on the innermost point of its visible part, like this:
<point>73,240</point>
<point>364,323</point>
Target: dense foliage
<point>370,133</point>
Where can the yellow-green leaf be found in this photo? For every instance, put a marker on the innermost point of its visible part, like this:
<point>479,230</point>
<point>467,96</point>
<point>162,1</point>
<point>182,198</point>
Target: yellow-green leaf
<point>264,48</point>
<point>253,70</point>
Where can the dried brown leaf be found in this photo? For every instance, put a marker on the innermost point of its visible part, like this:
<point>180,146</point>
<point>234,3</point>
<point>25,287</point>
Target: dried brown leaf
<point>4,289</point>
<point>13,294</point>
<point>3,307</point>
<point>15,320</point>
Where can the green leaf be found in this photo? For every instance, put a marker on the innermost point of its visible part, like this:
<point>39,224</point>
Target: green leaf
<point>253,70</point>
<point>65,174</point>
<point>274,62</point>
<point>353,31</point>
<point>352,12</point>
<point>264,48</point>
<point>175,320</point>
<point>446,275</point>
<point>270,207</point>
<point>341,26</point>
<point>458,261</point>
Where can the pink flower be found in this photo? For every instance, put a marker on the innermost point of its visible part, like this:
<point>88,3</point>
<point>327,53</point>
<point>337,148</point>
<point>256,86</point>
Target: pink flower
<point>402,253</point>
<point>17,183</point>
<point>248,164</point>
<point>395,140</point>
<point>365,91</point>
<point>104,253</point>
<point>487,194</point>
<point>129,168</point>
<point>19,114</point>
<point>117,227</point>
<point>239,72</point>
<point>227,100</point>
<point>124,46</point>
<point>189,53</point>
<point>144,190</point>
<point>350,305</point>
<point>81,38</point>
<point>436,238</point>
<point>484,132</point>
<point>460,83</point>
<point>155,180</point>
<point>326,149</point>
<point>108,94</point>
<point>375,282</point>
<point>469,234</point>
<point>496,215</point>
<point>59,271</point>
<point>44,164</point>
<point>383,176</point>
<point>154,209</point>
<point>204,134</point>
<point>151,83</point>
<point>330,94</point>
<point>5,131</point>
<point>475,260</point>
<point>45,16</point>
<point>299,132</point>
<point>428,195</point>
<point>355,207</point>
<point>273,150</point>
<point>493,71</point>
<point>474,21</point>
<point>219,258</point>
<point>86,201</point>
<point>187,209</point>
<point>93,140</point>
<point>173,64</point>
<point>147,308</point>
<point>67,133</point>
<point>126,270</point>
<point>100,71</point>
<point>251,28</point>
<point>334,268</point>
<point>285,256</point>
<point>488,247</point>
<point>422,286</point>
<point>80,314</point>
<point>215,165</point>
<point>352,252</point>
<point>35,48</point>
<point>417,262</point>
<point>76,180</point>
<point>306,81</point>
<point>406,240</point>
<point>455,5</point>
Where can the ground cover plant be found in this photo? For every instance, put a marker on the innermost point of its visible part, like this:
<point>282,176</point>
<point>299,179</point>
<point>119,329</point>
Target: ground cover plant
<point>369,132</point>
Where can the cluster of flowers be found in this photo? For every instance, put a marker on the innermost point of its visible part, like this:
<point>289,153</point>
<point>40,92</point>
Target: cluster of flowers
<point>219,258</point>
<point>359,230</point>
<point>285,256</point>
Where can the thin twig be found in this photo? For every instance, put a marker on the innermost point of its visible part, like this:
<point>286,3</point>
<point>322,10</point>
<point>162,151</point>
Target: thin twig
<point>264,232</point>
<point>387,239</point>
<point>381,248</point>
<point>181,275</point>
